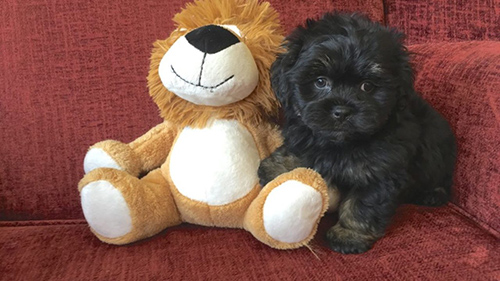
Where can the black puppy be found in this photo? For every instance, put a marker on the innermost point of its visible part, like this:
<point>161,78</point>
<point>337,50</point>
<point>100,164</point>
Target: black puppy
<point>352,114</point>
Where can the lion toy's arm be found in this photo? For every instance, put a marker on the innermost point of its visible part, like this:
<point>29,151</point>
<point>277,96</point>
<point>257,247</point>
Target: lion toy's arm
<point>141,155</point>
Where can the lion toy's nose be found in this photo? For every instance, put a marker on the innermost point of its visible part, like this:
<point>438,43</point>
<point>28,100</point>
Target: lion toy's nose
<point>211,39</point>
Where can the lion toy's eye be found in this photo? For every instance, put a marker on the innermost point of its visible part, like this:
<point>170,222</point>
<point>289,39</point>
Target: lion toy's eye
<point>367,86</point>
<point>321,82</point>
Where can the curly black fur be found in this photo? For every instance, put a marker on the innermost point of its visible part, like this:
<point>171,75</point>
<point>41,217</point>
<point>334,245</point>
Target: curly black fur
<point>352,114</point>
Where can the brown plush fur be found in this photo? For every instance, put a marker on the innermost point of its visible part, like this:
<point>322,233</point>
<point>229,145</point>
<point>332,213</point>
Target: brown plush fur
<point>262,35</point>
<point>152,148</point>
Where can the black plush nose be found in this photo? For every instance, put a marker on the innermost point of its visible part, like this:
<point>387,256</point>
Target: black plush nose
<point>211,39</point>
<point>341,112</point>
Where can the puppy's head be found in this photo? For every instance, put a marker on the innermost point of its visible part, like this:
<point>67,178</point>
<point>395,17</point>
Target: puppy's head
<point>342,76</point>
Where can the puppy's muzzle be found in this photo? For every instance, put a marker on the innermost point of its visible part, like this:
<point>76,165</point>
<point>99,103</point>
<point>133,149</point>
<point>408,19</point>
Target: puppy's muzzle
<point>341,112</point>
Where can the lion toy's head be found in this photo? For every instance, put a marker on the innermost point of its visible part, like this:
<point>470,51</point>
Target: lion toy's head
<point>215,64</point>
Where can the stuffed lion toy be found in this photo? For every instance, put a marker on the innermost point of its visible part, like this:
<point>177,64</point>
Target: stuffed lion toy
<point>210,80</point>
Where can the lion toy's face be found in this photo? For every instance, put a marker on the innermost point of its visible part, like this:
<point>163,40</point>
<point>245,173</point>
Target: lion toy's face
<point>215,64</point>
<point>210,66</point>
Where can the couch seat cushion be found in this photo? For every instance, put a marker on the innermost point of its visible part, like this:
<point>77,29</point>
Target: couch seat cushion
<point>422,243</point>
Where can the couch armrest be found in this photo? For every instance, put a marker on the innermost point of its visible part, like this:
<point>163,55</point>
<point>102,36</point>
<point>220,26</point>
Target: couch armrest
<point>462,81</point>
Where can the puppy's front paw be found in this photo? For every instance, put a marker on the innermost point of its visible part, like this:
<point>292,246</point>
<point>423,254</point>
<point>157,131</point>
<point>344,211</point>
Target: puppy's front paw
<point>264,175</point>
<point>348,241</point>
<point>269,170</point>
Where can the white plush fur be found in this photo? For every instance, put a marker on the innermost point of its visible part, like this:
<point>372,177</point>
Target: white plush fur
<point>291,211</point>
<point>181,67</point>
<point>217,164</point>
<point>98,158</point>
<point>105,209</point>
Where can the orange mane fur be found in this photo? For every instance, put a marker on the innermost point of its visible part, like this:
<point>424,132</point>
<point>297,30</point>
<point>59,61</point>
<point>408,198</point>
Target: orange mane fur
<point>262,33</point>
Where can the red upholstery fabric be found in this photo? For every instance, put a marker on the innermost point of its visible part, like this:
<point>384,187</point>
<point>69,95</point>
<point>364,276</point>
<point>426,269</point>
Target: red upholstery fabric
<point>74,73</point>
<point>462,81</point>
<point>422,244</point>
<point>445,20</point>
<point>294,13</point>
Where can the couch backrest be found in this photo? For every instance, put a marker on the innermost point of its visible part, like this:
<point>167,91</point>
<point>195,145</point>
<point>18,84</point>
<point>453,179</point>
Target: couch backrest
<point>444,20</point>
<point>74,73</point>
<point>295,12</point>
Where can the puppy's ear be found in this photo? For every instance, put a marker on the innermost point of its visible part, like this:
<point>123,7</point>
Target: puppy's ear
<point>406,90</point>
<point>405,73</point>
<point>280,71</point>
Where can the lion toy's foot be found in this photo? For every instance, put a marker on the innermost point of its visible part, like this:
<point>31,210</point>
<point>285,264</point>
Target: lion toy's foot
<point>286,213</point>
<point>122,209</point>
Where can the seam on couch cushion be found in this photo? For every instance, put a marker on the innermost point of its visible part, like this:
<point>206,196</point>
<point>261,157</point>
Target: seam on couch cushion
<point>481,224</point>
<point>453,206</point>
<point>40,223</point>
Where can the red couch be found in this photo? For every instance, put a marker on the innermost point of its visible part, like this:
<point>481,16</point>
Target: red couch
<point>74,72</point>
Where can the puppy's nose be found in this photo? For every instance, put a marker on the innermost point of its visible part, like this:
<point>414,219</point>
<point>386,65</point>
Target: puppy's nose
<point>211,39</point>
<point>341,112</point>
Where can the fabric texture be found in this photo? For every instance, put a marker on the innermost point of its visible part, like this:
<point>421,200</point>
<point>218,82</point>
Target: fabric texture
<point>73,73</point>
<point>422,244</point>
<point>461,81</point>
<point>445,20</point>
<point>296,12</point>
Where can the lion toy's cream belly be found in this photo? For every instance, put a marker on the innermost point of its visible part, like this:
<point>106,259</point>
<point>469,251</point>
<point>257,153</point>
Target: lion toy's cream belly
<point>216,165</point>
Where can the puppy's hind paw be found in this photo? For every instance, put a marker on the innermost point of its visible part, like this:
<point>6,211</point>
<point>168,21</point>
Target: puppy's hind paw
<point>437,197</point>
<point>347,241</point>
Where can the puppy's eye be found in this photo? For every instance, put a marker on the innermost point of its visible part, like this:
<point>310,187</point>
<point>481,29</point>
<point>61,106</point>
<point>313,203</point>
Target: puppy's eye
<point>321,82</point>
<point>367,86</point>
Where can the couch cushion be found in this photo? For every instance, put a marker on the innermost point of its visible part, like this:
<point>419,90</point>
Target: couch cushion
<point>422,244</point>
<point>445,20</point>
